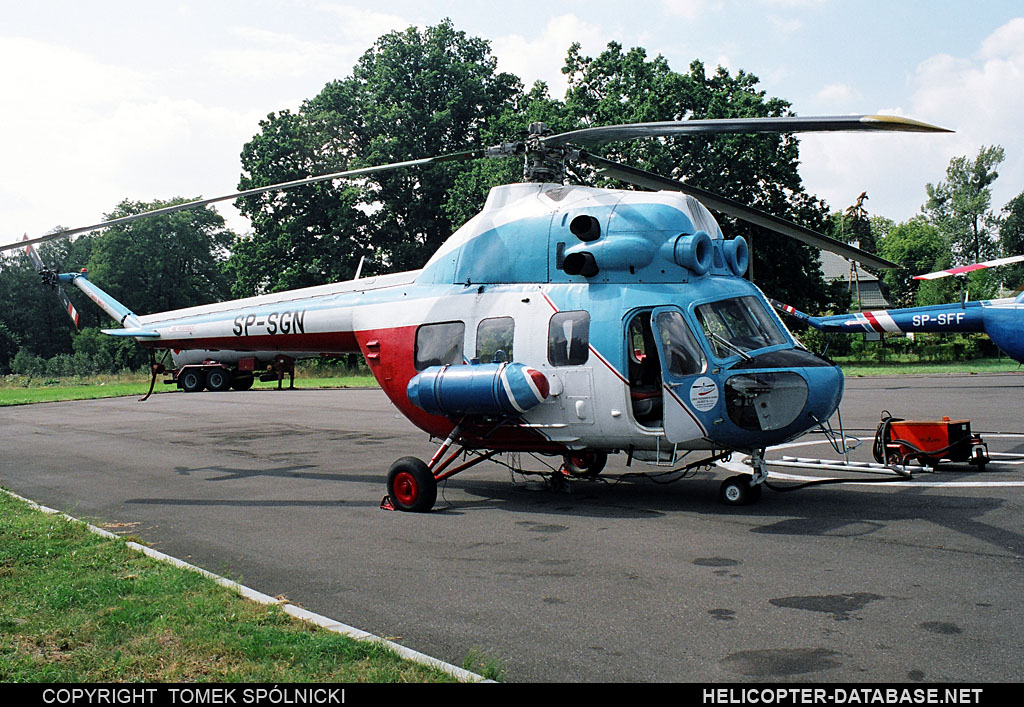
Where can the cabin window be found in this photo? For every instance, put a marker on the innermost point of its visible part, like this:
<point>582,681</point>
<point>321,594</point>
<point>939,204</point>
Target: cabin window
<point>682,354</point>
<point>569,338</point>
<point>735,326</point>
<point>439,344</point>
<point>494,340</point>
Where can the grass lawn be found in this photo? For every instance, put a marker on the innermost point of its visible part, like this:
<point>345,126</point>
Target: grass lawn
<point>981,365</point>
<point>20,392</point>
<point>77,607</point>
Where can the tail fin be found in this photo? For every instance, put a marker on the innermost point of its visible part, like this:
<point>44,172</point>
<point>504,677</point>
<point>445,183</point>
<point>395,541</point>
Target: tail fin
<point>796,314</point>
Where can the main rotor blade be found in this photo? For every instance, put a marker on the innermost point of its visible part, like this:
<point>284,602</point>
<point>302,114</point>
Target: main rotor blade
<point>857,123</point>
<point>730,207</point>
<point>198,203</point>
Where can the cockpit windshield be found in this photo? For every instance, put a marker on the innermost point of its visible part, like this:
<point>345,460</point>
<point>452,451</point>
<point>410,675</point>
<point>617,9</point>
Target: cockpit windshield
<point>738,325</point>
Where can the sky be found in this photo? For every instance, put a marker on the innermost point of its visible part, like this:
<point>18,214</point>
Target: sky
<point>109,100</point>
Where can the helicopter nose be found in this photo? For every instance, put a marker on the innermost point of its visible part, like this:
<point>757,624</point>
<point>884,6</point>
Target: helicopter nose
<point>771,407</point>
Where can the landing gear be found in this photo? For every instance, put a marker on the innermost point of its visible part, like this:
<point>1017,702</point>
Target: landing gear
<point>742,490</point>
<point>738,491</point>
<point>411,485</point>
<point>584,464</point>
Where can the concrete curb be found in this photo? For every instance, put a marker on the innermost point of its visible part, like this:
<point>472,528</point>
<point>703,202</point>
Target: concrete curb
<point>253,595</point>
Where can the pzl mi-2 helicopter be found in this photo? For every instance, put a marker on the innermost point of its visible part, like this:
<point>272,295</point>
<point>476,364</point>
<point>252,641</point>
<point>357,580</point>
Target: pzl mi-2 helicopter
<point>1000,319</point>
<point>561,320</point>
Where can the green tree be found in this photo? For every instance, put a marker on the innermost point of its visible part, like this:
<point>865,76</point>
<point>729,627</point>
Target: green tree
<point>1011,239</point>
<point>757,170</point>
<point>164,262</point>
<point>305,236</point>
<point>918,248</point>
<point>413,94</point>
<point>9,345</point>
<point>960,207</point>
<point>26,363</point>
<point>30,309</point>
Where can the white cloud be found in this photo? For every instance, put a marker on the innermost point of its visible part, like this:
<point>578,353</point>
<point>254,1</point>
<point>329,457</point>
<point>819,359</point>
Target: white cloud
<point>542,58</point>
<point>794,4</point>
<point>364,26</point>
<point>980,95</point>
<point>264,55</point>
<point>691,9</point>
<point>85,135</point>
<point>786,26</point>
<point>838,96</point>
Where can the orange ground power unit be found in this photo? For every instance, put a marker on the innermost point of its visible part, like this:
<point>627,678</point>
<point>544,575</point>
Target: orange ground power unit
<point>931,441</point>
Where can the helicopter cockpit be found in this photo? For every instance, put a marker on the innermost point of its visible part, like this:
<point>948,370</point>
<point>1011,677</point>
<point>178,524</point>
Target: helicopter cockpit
<point>728,365</point>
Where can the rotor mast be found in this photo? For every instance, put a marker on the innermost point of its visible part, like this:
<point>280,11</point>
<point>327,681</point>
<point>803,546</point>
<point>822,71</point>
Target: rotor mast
<point>542,163</point>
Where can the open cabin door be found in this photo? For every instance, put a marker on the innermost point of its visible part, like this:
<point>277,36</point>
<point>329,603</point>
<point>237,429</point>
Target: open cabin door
<point>685,387</point>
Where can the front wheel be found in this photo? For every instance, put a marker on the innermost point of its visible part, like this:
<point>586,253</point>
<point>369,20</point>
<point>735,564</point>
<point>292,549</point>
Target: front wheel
<point>737,491</point>
<point>411,485</point>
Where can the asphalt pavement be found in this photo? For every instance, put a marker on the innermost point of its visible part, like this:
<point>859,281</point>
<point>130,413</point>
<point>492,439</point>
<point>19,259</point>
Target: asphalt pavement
<point>625,579</point>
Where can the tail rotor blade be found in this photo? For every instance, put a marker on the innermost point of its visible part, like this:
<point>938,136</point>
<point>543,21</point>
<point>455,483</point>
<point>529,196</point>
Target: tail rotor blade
<point>33,255</point>
<point>66,304</point>
<point>50,278</point>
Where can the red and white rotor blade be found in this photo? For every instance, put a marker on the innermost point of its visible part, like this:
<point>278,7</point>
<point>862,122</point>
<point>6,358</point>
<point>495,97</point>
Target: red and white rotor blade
<point>970,268</point>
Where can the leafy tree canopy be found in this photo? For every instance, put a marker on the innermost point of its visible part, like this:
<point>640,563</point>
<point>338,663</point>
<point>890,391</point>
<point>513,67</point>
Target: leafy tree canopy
<point>960,207</point>
<point>163,262</point>
<point>413,94</point>
<point>758,170</point>
<point>916,246</point>
<point>1011,238</point>
<point>437,91</point>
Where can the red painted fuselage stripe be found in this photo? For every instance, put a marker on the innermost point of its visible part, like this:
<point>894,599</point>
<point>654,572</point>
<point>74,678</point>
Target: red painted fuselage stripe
<point>873,322</point>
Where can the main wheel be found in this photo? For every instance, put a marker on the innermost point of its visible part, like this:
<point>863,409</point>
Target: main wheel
<point>192,381</point>
<point>737,491</point>
<point>585,463</point>
<point>411,485</point>
<point>218,380</point>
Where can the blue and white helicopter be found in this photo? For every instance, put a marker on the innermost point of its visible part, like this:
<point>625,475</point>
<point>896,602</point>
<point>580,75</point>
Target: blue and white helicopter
<point>1001,319</point>
<point>561,320</point>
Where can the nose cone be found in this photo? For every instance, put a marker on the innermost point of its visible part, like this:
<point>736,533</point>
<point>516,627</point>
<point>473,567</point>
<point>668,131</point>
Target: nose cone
<point>768,407</point>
